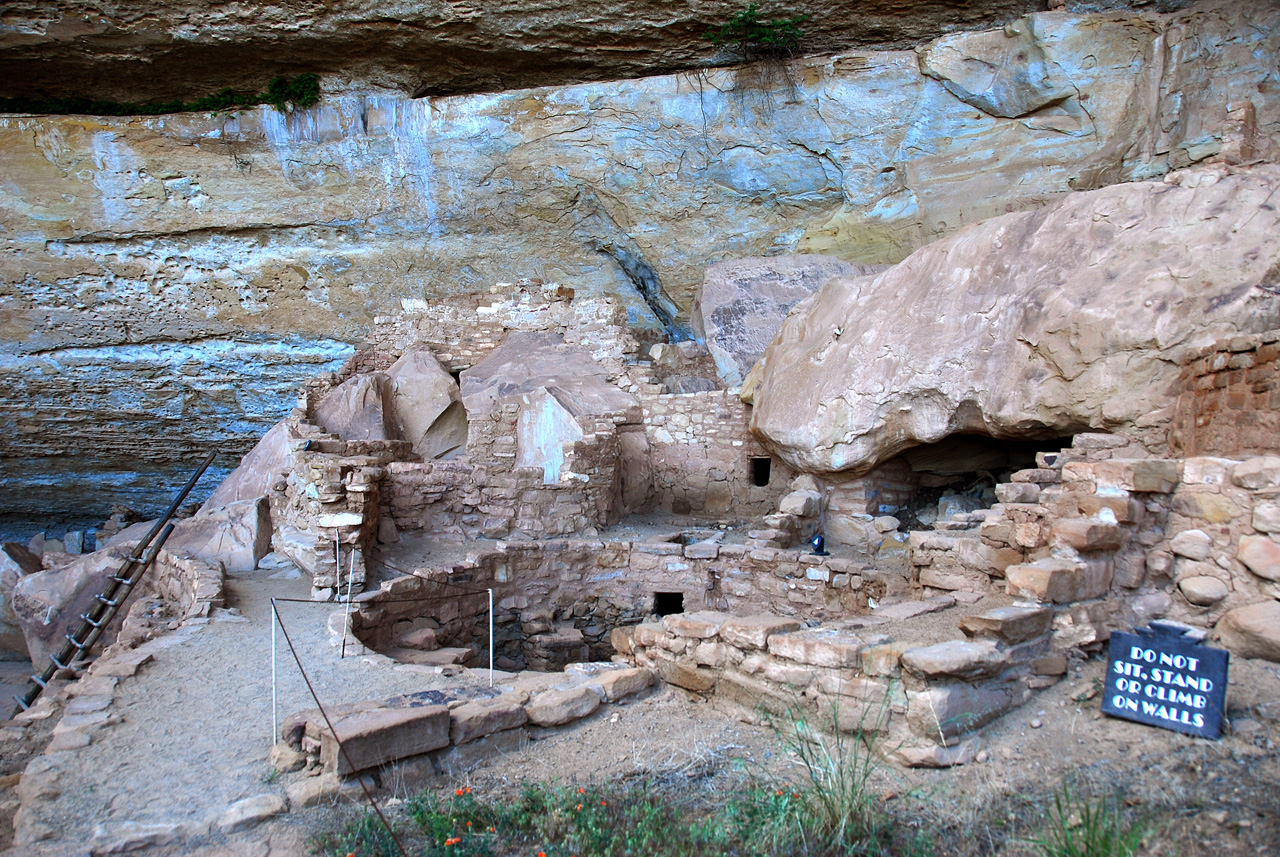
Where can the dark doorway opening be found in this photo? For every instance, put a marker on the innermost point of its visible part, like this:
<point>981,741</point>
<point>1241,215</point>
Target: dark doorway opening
<point>667,603</point>
<point>760,468</point>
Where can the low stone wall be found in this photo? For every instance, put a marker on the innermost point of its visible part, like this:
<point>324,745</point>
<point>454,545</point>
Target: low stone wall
<point>189,586</point>
<point>923,699</point>
<point>449,730</point>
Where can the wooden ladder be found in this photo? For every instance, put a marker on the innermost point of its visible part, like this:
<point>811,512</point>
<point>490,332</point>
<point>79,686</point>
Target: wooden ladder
<point>108,603</point>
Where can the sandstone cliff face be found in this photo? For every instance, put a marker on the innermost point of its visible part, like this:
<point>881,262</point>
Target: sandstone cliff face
<point>197,233</point>
<point>181,227</point>
<point>1078,316</point>
<point>138,50</point>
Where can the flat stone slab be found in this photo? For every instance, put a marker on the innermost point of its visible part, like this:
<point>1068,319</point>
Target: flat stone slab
<point>477,719</point>
<point>753,632</point>
<point>1010,625</point>
<point>957,658</point>
<point>823,647</point>
<point>909,609</point>
<point>702,625</point>
<point>624,683</point>
<point>380,735</point>
<point>557,707</point>
<point>250,812</point>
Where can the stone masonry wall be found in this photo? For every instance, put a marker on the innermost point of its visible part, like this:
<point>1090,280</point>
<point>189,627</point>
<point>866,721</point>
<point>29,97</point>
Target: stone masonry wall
<point>1231,401</point>
<point>924,699</point>
<point>1114,542</point>
<point>701,452</point>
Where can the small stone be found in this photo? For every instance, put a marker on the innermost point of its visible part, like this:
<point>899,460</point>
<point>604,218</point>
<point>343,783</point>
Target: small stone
<point>1203,591</point>
<point>1036,723</point>
<point>1193,544</point>
<point>250,812</point>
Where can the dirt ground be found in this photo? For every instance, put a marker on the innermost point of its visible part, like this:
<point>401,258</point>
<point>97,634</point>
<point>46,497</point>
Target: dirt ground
<point>1199,797</point>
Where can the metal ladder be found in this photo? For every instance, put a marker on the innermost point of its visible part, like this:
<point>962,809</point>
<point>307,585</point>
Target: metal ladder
<point>108,603</point>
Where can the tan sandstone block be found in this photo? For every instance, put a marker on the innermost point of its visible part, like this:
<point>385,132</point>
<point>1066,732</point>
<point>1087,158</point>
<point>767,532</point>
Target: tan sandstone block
<point>380,735</point>
<point>753,632</point>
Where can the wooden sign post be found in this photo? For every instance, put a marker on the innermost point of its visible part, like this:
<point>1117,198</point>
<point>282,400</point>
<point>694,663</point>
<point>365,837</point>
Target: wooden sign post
<point>1159,677</point>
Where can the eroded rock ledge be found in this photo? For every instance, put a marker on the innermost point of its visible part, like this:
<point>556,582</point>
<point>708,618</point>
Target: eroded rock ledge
<point>137,51</point>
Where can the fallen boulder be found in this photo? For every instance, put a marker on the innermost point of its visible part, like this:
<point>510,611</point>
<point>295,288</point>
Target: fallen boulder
<point>1031,325</point>
<point>427,405</point>
<point>743,302</point>
<point>48,604</point>
<point>358,409</point>
<point>257,471</point>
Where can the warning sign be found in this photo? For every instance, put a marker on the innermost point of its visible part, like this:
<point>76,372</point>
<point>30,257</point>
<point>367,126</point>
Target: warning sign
<point>1159,677</point>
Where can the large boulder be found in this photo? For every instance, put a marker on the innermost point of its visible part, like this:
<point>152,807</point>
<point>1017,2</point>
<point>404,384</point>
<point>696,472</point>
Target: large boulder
<point>527,361</point>
<point>742,304</point>
<point>48,605</point>
<point>427,405</point>
<point>257,471</point>
<point>1037,324</point>
<point>236,535</point>
<point>358,409</point>
<point>16,562</point>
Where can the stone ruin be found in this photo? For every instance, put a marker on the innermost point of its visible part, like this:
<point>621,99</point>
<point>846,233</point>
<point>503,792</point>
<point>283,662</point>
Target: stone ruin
<point>633,522</point>
<point>633,519</point>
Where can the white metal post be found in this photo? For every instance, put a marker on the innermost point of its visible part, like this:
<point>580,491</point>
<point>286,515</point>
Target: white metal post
<point>351,576</point>
<point>490,638</point>
<point>274,619</point>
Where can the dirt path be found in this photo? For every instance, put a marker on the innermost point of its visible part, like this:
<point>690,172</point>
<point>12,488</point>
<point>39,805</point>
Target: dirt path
<point>190,734</point>
<point>172,747</point>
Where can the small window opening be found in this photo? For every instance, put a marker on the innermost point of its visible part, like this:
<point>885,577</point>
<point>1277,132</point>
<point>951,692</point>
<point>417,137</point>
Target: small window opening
<point>760,471</point>
<point>668,603</point>
<point>456,375</point>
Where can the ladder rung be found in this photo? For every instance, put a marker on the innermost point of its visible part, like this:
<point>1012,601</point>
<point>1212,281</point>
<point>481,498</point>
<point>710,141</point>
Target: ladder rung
<point>107,601</point>
<point>39,680</point>
<point>73,641</point>
<point>85,617</point>
<point>57,663</point>
<point>22,702</point>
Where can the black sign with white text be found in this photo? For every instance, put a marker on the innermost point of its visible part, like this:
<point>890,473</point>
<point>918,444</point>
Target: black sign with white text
<point>1158,677</point>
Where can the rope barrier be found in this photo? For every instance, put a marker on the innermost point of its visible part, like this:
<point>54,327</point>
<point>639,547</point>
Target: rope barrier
<point>329,725</point>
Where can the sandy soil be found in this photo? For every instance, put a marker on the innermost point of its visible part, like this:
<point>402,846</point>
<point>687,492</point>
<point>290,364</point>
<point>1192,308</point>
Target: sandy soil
<point>194,735</point>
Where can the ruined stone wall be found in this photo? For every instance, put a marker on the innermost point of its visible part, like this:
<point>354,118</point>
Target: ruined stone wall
<point>1114,541</point>
<point>567,595</point>
<point>923,698</point>
<point>1230,404</point>
<point>702,455</point>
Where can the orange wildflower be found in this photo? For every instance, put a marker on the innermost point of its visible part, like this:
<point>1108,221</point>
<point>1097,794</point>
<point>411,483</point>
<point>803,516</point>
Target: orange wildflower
<point>458,792</point>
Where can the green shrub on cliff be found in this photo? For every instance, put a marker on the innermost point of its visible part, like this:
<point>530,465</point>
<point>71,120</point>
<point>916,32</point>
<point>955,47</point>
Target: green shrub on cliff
<point>753,38</point>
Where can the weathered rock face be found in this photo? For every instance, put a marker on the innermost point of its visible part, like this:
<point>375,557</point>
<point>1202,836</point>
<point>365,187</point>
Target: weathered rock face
<point>742,304</point>
<point>137,50</point>
<point>48,605</point>
<point>183,235</point>
<point>1034,324</point>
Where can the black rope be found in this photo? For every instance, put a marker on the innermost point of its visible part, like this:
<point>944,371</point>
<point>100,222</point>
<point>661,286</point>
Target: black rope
<point>328,723</point>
